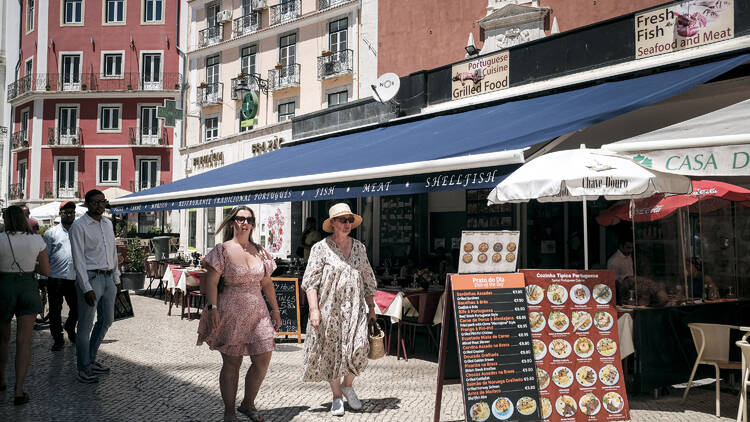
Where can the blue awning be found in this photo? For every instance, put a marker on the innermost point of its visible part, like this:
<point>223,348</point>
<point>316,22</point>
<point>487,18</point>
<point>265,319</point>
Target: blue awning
<point>469,150</point>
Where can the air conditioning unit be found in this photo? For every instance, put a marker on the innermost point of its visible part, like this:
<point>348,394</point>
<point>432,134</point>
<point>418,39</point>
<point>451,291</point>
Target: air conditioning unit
<point>224,16</point>
<point>259,4</point>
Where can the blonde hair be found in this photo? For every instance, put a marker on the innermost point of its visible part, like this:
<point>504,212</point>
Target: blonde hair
<point>227,226</point>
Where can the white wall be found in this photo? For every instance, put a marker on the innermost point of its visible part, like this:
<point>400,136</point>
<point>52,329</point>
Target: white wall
<point>368,47</point>
<point>9,16</point>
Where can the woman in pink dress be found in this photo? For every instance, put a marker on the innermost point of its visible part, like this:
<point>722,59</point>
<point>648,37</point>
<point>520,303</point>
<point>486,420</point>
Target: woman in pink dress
<point>236,321</point>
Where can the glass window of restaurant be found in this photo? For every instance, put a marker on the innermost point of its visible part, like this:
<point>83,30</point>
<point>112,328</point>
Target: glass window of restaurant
<point>210,214</point>
<point>192,228</point>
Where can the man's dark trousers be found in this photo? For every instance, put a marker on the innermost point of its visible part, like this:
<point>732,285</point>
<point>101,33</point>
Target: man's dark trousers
<point>57,289</point>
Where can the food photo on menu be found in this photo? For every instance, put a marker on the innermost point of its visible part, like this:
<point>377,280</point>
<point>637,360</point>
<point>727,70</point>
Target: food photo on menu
<point>572,319</point>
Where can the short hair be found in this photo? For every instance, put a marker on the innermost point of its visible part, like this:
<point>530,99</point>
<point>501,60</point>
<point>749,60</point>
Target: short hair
<point>92,193</point>
<point>15,220</point>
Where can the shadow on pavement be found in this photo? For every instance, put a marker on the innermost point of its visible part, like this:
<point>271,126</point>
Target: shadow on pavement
<point>368,406</point>
<point>282,413</point>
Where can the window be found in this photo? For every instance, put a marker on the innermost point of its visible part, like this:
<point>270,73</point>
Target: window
<point>115,11</point>
<point>337,98</point>
<point>151,71</point>
<point>66,178</point>
<point>25,125</point>
<point>210,214</point>
<point>112,65</point>
<point>337,35</point>
<point>72,11</point>
<point>67,121</point>
<point>148,173</point>
<point>29,67</point>
<point>152,11</point>
<point>192,222</point>
<point>22,170</point>
<point>212,70</point>
<point>247,7</point>
<point>109,118</point>
<point>286,111</point>
<point>247,59</point>
<point>71,72</point>
<point>288,50</point>
<point>30,15</point>
<point>211,11</point>
<point>149,133</point>
<point>109,171</point>
<point>211,128</point>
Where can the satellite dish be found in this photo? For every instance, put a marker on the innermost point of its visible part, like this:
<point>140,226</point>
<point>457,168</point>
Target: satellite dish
<point>386,87</point>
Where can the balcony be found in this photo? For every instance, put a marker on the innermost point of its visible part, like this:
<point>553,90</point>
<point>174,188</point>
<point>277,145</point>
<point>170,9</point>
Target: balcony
<point>284,77</point>
<point>65,137</point>
<point>335,64</point>
<point>16,192</point>
<point>284,12</point>
<point>19,140</point>
<point>325,4</point>
<point>62,190</point>
<point>130,81</point>
<point>247,82</point>
<point>143,185</point>
<point>210,94</point>
<point>246,24</point>
<point>148,136</point>
<point>210,36</point>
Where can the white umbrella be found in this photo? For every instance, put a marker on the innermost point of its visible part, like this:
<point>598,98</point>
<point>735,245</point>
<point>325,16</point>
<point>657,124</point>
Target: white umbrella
<point>584,174</point>
<point>51,210</point>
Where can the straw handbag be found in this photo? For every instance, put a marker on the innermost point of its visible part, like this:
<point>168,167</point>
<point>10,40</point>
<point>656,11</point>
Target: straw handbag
<point>375,335</point>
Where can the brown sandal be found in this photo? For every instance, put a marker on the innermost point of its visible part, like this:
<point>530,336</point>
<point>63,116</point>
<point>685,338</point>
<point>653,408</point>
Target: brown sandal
<point>251,413</point>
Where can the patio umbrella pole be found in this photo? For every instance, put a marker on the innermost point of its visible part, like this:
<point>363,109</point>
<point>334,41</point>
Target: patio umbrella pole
<point>585,237</point>
<point>632,225</point>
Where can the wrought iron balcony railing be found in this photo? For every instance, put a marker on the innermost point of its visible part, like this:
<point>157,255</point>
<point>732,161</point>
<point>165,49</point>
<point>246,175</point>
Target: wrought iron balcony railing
<point>210,94</point>
<point>143,185</point>
<point>284,12</point>
<point>65,136</point>
<point>247,82</point>
<point>284,77</point>
<point>211,35</point>
<point>148,135</point>
<point>325,4</point>
<point>19,140</point>
<point>129,81</point>
<point>335,64</point>
<point>16,191</point>
<point>246,24</point>
<point>63,190</point>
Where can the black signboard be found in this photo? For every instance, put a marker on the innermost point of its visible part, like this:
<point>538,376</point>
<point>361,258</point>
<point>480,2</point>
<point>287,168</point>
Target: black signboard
<point>287,295</point>
<point>498,373</point>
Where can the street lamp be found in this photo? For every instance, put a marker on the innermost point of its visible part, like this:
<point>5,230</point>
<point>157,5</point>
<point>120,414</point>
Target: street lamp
<point>242,87</point>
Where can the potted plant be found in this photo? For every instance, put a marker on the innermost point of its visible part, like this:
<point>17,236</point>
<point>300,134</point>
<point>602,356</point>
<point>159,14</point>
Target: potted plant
<point>203,84</point>
<point>133,277</point>
<point>83,87</point>
<point>47,87</point>
<point>177,86</point>
<point>240,75</point>
<point>325,53</point>
<point>279,66</point>
<point>130,87</point>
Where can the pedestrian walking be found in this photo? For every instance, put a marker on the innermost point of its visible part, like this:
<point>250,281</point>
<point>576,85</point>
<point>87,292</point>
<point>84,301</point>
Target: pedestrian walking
<point>22,253</point>
<point>92,241</point>
<point>62,277</point>
<point>33,224</point>
<point>340,287</point>
<point>236,321</point>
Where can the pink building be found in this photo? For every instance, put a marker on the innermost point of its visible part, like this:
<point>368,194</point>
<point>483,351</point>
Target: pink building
<point>91,76</point>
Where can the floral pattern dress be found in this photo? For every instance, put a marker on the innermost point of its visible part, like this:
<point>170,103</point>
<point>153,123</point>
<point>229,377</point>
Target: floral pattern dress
<point>339,346</point>
<point>245,327</point>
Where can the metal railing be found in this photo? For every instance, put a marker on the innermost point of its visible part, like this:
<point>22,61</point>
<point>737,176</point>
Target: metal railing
<point>54,190</point>
<point>247,82</point>
<point>325,4</point>
<point>129,81</point>
<point>334,64</point>
<point>148,135</point>
<point>284,12</point>
<point>246,24</point>
<point>19,140</point>
<point>284,77</point>
<point>211,35</point>
<point>209,94</point>
<point>65,136</point>
<point>136,187</point>
<point>16,191</point>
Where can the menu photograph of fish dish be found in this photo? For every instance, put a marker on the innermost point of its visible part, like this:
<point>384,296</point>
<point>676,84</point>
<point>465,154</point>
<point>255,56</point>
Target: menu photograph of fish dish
<point>602,294</point>
<point>581,320</point>
<point>534,294</point>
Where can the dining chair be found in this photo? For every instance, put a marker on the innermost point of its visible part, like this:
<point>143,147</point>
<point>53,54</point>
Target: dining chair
<point>712,345</point>
<point>425,303</point>
<point>745,379</point>
<point>193,292</point>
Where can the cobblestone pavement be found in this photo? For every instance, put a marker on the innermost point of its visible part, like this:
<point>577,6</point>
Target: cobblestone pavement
<point>158,374</point>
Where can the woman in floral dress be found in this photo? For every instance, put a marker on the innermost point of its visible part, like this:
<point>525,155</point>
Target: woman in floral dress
<point>340,288</point>
<point>236,321</point>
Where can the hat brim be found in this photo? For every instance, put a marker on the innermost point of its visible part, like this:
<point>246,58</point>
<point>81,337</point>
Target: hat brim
<point>328,223</point>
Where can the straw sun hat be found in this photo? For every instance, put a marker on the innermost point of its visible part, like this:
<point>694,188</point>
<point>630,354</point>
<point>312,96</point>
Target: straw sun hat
<point>339,210</point>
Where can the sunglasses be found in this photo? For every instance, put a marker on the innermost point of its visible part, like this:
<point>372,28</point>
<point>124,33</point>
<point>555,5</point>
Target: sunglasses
<point>248,220</point>
<point>344,220</point>
<point>102,202</point>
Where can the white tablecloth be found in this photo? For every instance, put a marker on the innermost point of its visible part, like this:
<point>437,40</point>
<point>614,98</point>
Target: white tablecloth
<point>182,282</point>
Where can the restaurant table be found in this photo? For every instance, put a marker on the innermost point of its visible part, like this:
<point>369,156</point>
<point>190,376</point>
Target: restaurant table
<point>394,304</point>
<point>178,279</point>
<point>664,349</point>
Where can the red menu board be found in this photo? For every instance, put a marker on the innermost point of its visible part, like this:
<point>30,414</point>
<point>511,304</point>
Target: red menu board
<point>573,324</point>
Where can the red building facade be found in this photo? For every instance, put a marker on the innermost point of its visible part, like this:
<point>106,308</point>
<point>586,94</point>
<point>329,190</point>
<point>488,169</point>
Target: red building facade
<point>91,76</point>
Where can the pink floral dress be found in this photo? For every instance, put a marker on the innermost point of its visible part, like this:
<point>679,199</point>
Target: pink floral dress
<point>245,327</point>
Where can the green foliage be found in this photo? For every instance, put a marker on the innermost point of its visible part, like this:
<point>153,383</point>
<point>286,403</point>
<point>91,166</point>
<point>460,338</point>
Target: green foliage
<point>132,230</point>
<point>43,229</point>
<point>154,230</point>
<point>136,255</point>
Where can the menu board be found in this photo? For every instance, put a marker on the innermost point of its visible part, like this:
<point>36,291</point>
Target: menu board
<point>494,347</point>
<point>287,296</point>
<point>573,321</point>
<point>488,251</point>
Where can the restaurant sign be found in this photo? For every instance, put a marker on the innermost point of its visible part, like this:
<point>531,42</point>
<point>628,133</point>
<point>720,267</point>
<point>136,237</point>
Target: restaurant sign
<point>481,75</point>
<point>481,178</point>
<point>683,25</point>
<point>729,160</point>
<point>214,159</point>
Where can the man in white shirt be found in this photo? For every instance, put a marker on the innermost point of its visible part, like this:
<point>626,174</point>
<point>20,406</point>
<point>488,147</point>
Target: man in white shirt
<point>92,241</point>
<point>621,262</point>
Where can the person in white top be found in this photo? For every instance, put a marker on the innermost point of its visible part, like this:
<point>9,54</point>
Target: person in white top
<point>21,254</point>
<point>621,262</point>
<point>92,241</point>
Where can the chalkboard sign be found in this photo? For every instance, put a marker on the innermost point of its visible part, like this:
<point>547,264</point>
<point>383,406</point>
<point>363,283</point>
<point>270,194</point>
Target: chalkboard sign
<point>287,295</point>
